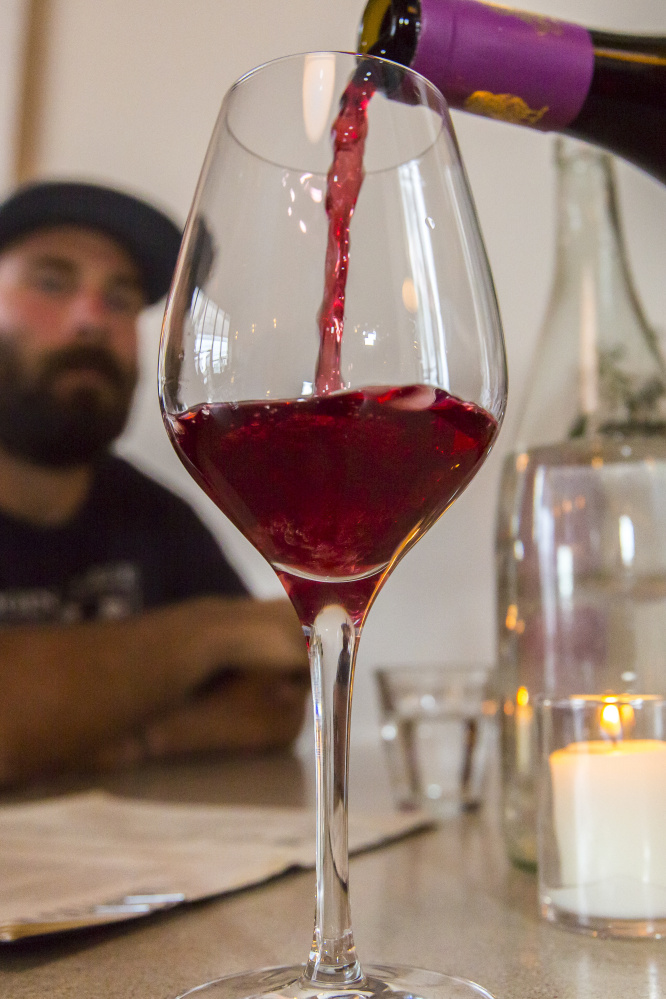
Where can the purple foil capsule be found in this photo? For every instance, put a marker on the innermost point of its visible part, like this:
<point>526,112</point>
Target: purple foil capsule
<point>506,64</point>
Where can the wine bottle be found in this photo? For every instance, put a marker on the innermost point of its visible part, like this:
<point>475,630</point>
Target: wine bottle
<point>529,69</point>
<point>581,526</point>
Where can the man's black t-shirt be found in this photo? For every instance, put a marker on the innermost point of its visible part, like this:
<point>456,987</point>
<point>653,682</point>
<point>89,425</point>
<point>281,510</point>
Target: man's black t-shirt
<point>134,546</point>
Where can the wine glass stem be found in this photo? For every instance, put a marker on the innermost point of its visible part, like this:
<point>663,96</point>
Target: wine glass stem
<point>333,641</point>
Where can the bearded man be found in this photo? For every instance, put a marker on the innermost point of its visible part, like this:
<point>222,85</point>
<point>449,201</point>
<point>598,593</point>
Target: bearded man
<point>123,630</point>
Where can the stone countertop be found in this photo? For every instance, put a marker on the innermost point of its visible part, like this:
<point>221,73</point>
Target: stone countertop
<point>446,899</point>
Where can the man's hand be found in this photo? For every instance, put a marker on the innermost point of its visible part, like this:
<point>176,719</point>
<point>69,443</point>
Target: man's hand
<point>254,698</point>
<point>240,633</point>
<point>241,713</point>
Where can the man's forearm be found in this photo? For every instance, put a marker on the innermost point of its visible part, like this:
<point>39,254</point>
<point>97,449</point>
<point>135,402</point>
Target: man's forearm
<point>67,690</point>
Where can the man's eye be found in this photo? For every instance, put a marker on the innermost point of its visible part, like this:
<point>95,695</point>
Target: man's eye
<point>128,300</point>
<point>51,282</point>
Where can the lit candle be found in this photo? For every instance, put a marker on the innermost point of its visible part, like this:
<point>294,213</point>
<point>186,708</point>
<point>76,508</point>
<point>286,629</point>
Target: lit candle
<point>609,816</point>
<point>524,720</point>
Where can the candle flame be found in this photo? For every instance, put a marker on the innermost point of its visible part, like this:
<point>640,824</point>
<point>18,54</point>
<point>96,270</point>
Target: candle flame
<point>611,721</point>
<point>627,716</point>
<point>511,617</point>
<point>522,697</point>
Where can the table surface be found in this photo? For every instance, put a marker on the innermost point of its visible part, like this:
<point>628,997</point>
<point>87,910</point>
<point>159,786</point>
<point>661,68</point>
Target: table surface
<point>444,898</point>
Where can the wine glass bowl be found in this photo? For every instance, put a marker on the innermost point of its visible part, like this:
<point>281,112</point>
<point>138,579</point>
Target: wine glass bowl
<point>254,254</point>
<point>332,374</point>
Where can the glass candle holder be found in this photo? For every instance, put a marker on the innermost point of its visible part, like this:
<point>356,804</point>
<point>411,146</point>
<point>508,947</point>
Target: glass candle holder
<point>602,814</point>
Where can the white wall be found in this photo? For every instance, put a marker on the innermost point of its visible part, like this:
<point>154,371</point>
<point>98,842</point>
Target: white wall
<point>132,91</point>
<point>13,22</point>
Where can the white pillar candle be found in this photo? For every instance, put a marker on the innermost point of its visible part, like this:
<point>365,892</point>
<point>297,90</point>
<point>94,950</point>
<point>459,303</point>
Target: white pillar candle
<point>609,816</point>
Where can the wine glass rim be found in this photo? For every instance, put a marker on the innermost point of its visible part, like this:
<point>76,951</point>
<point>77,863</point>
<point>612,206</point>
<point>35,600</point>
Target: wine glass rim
<point>358,56</point>
<point>429,99</point>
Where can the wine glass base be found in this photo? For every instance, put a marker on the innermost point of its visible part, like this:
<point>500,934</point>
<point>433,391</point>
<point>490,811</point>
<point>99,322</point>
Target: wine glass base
<point>386,981</point>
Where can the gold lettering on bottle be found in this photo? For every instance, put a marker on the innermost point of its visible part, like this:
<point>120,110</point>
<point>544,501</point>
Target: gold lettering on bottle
<point>503,107</point>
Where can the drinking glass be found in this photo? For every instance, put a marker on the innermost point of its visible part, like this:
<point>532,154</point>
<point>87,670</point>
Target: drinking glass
<point>332,374</point>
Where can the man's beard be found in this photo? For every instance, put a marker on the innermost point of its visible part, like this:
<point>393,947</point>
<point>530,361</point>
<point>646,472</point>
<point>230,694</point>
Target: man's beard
<point>45,428</point>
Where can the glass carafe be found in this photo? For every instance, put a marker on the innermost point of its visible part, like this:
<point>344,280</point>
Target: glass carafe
<point>581,532</point>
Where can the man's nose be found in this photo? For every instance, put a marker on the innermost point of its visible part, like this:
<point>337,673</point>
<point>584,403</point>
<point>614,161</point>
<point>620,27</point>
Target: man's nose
<point>90,315</point>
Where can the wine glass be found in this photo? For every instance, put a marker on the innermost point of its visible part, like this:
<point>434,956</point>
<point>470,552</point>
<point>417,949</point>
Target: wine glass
<point>332,374</point>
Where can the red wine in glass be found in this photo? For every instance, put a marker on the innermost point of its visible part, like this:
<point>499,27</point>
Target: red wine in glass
<point>331,488</point>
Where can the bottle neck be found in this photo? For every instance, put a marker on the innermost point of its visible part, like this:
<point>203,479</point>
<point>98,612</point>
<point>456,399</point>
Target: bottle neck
<point>530,69</point>
<point>590,250</point>
<point>598,370</point>
<point>390,29</point>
